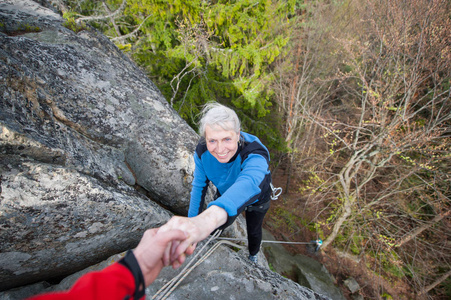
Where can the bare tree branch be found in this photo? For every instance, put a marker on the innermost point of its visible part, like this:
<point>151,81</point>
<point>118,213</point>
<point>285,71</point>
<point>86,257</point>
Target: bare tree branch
<point>111,15</point>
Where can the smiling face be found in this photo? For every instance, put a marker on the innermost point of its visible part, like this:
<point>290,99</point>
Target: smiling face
<point>222,144</point>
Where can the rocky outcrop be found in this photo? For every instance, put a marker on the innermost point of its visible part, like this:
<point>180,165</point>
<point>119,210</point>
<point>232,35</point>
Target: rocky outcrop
<point>88,147</point>
<point>80,127</point>
<point>56,220</point>
<point>77,97</point>
<point>227,274</point>
<point>307,271</point>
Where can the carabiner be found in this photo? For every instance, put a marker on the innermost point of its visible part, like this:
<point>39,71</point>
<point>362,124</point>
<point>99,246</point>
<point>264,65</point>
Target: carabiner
<point>276,192</point>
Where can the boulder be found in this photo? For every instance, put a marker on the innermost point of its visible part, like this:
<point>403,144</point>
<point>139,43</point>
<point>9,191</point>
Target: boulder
<point>307,271</point>
<point>352,285</point>
<point>77,95</point>
<point>56,220</point>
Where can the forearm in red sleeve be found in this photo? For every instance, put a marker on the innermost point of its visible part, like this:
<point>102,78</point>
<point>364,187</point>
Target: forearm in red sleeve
<point>114,282</point>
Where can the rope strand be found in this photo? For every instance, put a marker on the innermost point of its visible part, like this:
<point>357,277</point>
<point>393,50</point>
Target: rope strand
<point>170,286</point>
<point>267,241</point>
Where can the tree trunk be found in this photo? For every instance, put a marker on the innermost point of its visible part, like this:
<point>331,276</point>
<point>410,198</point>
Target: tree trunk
<point>347,210</point>
<point>435,283</point>
<point>422,228</point>
<point>290,168</point>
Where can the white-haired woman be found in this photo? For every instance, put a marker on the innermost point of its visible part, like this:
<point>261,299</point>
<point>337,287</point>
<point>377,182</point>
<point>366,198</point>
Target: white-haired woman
<point>237,163</point>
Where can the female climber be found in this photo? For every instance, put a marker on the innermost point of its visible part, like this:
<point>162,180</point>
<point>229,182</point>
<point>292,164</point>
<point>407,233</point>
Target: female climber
<point>237,164</point>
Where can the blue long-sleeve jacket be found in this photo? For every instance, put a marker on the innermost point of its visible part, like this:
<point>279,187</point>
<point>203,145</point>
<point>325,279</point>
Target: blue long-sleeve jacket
<point>244,180</point>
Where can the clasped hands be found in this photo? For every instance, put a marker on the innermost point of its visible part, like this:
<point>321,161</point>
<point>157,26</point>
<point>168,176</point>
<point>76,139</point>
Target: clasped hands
<point>172,242</point>
<point>196,229</point>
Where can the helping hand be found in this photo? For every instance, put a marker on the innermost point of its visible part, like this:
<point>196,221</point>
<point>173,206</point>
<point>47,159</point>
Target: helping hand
<point>197,229</point>
<point>150,251</point>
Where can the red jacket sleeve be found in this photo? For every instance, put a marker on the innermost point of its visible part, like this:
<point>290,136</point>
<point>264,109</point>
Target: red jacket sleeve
<point>113,282</point>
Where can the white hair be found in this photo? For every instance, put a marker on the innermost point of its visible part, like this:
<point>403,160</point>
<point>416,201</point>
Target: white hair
<point>215,114</point>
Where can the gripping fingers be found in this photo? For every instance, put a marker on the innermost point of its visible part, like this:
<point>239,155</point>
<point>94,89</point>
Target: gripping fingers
<point>182,248</point>
<point>174,246</point>
<point>190,249</point>
<point>167,255</point>
<point>179,261</point>
<point>173,255</point>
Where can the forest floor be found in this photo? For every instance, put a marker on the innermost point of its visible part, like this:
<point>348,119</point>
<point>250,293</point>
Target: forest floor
<point>284,222</point>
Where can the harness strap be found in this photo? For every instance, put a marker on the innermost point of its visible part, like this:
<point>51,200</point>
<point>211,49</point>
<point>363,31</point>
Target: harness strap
<point>260,208</point>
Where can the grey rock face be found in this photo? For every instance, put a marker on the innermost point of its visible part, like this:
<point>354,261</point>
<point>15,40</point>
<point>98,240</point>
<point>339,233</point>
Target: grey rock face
<point>78,95</point>
<point>309,272</point>
<point>227,274</point>
<point>56,220</point>
<point>79,124</point>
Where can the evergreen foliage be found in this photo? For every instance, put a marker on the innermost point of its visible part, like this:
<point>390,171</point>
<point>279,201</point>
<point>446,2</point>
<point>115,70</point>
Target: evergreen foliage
<point>199,51</point>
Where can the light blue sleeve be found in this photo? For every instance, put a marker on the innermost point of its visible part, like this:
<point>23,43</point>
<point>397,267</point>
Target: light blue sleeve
<point>199,183</point>
<point>246,187</point>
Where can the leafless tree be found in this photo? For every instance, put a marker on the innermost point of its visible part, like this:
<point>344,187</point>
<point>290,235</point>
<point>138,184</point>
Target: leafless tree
<point>381,173</point>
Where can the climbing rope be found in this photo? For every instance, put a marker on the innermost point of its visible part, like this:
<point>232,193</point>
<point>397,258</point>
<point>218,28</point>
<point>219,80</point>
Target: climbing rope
<point>266,241</point>
<point>169,287</point>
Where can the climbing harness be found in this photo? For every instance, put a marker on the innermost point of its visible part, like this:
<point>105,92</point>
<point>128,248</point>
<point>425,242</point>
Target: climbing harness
<point>276,192</point>
<point>260,208</point>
